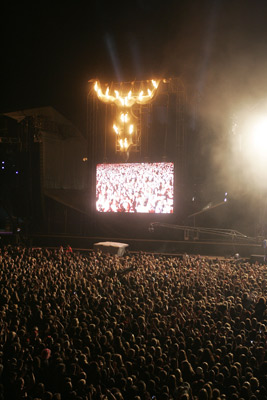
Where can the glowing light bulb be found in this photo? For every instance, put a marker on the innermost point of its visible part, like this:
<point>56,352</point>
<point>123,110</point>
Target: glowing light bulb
<point>116,129</point>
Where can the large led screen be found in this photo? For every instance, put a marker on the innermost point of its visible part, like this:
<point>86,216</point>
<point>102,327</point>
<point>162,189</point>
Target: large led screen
<point>135,187</point>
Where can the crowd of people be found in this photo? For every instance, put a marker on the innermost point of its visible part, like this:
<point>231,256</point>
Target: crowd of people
<point>135,187</point>
<point>89,325</point>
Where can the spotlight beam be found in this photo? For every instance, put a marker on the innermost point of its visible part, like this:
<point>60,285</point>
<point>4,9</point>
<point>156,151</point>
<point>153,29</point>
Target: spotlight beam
<point>207,209</point>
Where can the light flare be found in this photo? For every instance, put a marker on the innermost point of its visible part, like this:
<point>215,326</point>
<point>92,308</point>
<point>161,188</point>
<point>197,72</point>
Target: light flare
<point>124,99</point>
<point>140,97</point>
<point>116,129</point>
<point>255,143</point>
<point>259,137</point>
<point>124,117</point>
<point>124,144</point>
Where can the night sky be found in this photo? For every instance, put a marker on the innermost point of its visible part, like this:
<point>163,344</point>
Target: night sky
<point>49,51</point>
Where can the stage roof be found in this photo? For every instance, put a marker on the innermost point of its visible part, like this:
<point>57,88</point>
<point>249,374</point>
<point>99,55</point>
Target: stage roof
<point>48,112</point>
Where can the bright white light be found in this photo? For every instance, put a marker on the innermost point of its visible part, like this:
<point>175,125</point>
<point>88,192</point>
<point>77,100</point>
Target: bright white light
<point>254,144</point>
<point>249,151</point>
<point>124,117</point>
<point>259,137</point>
<point>116,129</point>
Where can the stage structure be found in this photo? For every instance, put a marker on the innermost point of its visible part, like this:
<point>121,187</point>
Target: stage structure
<point>194,233</point>
<point>121,117</point>
<point>139,121</point>
<point>125,98</point>
<point>52,171</point>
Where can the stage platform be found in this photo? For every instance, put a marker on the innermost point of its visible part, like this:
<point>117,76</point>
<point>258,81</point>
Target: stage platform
<point>111,247</point>
<point>198,247</point>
